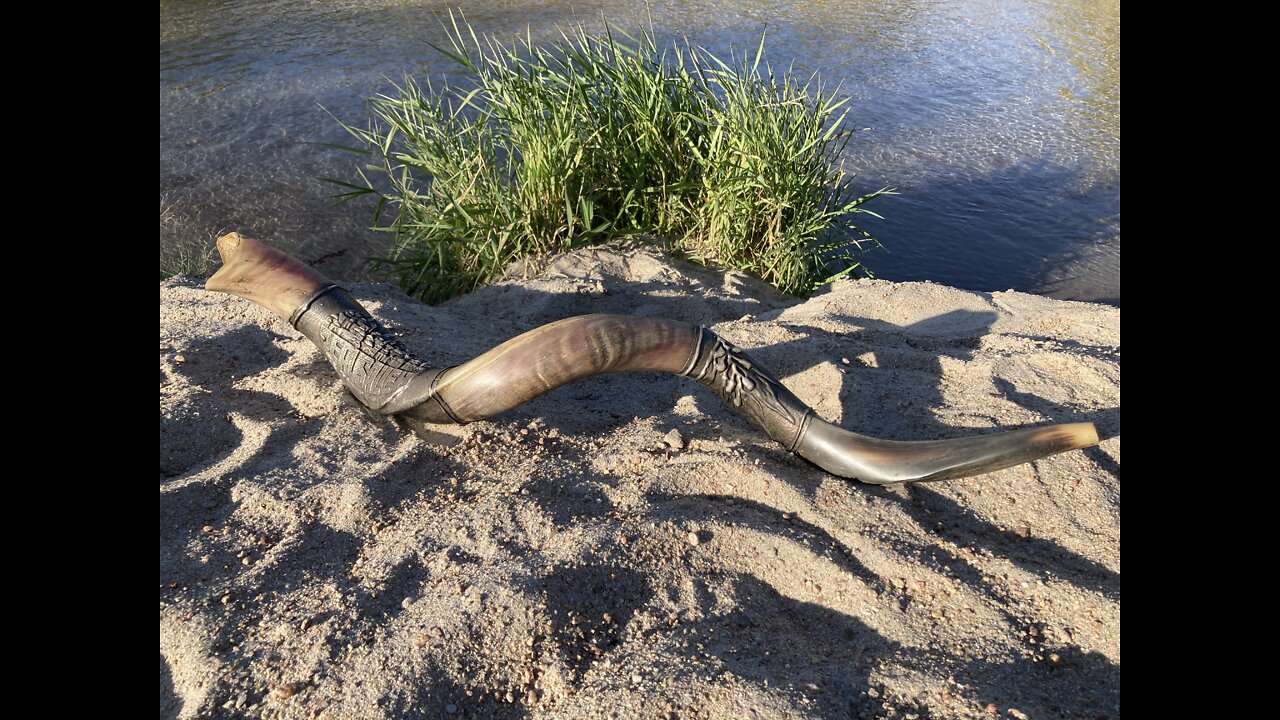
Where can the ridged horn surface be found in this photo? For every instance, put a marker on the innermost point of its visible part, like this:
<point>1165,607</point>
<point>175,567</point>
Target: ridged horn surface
<point>556,354</point>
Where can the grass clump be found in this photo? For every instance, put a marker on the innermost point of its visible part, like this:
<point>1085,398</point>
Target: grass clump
<point>178,255</point>
<point>548,148</point>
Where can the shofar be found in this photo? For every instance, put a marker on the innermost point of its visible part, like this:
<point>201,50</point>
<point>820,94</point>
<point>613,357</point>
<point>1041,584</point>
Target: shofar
<point>382,374</point>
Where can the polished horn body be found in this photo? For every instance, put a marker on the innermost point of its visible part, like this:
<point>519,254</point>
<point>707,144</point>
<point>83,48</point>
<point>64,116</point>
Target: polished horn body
<point>383,375</point>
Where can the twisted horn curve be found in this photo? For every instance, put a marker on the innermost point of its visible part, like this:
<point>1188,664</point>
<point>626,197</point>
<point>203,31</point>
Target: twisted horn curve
<point>386,378</point>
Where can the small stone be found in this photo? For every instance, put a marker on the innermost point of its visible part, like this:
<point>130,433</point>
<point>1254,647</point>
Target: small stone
<point>406,603</point>
<point>1018,714</point>
<point>246,560</point>
<point>635,678</point>
<point>1054,658</point>
<point>242,699</point>
<point>844,360</point>
<point>451,708</point>
<point>674,440</point>
<point>288,690</point>
<point>179,359</point>
<point>991,709</point>
<point>226,599</point>
<point>693,539</point>
<point>206,529</point>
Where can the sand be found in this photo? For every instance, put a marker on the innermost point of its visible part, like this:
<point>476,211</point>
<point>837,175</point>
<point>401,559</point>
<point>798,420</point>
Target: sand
<point>576,559</point>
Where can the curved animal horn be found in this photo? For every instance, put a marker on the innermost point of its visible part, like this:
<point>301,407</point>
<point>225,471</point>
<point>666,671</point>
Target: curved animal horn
<point>382,374</point>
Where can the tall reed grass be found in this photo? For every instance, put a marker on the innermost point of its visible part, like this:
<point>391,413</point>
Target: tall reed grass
<point>544,148</point>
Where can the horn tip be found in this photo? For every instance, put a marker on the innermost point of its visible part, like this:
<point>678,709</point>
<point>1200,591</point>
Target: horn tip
<point>1074,436</point>
<point>228,244</point>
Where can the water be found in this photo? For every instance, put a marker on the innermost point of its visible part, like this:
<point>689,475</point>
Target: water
<point>997,120</point>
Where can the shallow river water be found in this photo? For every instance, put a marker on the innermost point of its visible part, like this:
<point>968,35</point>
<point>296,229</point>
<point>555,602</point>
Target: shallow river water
<point>997,120</point>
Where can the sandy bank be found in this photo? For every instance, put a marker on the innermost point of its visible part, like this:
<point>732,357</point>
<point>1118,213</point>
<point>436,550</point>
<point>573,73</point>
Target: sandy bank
<point>562,561</point>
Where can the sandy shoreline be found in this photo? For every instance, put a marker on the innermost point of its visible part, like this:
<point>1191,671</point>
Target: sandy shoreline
<point>562,561</point>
